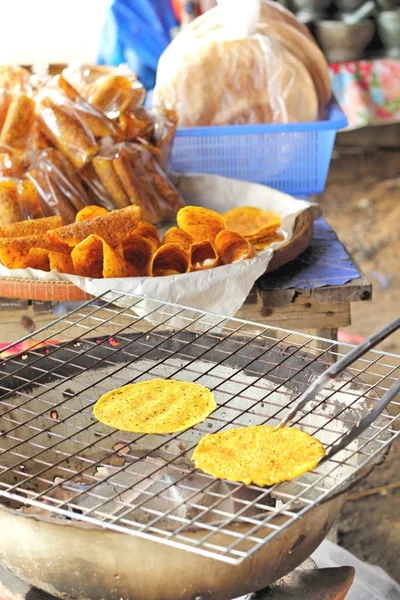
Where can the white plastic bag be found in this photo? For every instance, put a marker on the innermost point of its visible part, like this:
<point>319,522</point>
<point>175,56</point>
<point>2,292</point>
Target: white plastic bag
<point>370,582</point>
<point>240,18</point>
<point>243,62</point>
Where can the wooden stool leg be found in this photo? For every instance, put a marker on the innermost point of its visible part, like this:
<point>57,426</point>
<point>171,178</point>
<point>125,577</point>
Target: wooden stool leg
<point>328,333</point>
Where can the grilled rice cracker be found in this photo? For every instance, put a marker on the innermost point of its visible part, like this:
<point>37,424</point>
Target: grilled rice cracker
<point>90,212</point>
<point>99,124</point>
<point>203,255</point>
<point>169,259</point>
<point>267,240</point>
<point>200,223</point>
<point>307,51</point>
<point>62,263</point>
<point>38,258</point>
<point>18,122</point>
<point>93,257</point>
<point>156,406</point>
<point>148,231</point>
<point>30,227</point>
<point>262,455</point>
<point>67,132</point>
<point>10,206</point>
<point>137,188</point>
<point>138,252</point>
<point>251,221</point>
<point>174,235</point>
<point>14,251</point>
<point>114,228</point>
<point>232,247</point>
<point>105,171</point>
<point>30,201</point>
<point>113,93</point>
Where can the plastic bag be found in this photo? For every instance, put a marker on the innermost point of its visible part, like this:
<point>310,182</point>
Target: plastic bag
<point>110,91</point>
<point>248,63</point>
<point>370,582</point>
<point>130,174</point>
<point>61,191</point>
<point>19,201</point>
<point>18,118</point>
<point>119,96</point>
<point>13,78</point>
<point>54,131</point>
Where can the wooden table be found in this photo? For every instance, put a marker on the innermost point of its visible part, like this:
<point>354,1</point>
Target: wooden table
<point>295,298</point>
<point>292,297</point>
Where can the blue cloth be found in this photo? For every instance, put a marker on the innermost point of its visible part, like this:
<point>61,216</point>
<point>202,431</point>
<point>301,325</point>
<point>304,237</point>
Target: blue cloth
<point>325,262</point>
<point>137,32</point>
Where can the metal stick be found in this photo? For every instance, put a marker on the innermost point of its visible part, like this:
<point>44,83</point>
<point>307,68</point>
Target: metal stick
<point>335,370</point>
<point>364,423</point>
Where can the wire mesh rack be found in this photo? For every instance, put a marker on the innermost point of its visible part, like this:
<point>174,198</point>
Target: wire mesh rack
<point>58,462</point>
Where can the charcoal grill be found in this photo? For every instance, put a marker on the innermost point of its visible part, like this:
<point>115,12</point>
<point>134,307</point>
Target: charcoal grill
<point>90,512</point>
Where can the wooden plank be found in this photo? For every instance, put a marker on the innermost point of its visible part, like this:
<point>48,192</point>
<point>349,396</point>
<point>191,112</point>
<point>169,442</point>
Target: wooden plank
<point>302,314</point>
<point>7,304</point>
<point>354,291</point>
<point>254,296</point>
<point>370,137</point>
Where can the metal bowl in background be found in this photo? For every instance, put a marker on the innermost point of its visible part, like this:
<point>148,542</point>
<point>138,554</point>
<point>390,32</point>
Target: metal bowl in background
<point>348,6</point>
<point>387,4</point>
<point>344,41</point>
<point>308,11</point>
<point>389,31</point>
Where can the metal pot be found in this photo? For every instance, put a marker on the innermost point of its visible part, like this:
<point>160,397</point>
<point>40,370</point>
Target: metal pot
<point>308,11</point>
<point>348,6</point>
<point>343,41</point>
<point>389,31</point>
<point>91,564</point>
<point>85,559</point>
<point>387,4</point>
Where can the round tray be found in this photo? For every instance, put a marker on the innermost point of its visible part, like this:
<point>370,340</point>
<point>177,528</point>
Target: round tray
<point>64,291</point>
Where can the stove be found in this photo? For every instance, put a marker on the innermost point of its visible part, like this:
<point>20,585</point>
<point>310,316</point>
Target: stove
<point>72,488</point>
<point>307,581</point>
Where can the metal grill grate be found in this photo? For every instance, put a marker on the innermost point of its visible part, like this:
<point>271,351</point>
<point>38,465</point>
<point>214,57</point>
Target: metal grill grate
<point>57,461</point>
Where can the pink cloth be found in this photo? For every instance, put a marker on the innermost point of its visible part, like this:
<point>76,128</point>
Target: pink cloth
<point>368,90</point>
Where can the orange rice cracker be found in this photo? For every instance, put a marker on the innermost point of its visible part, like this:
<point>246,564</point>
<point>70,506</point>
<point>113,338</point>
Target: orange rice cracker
<point>200,223</point>
<point>170,259</point>
<point>232,247</point>
<point>114,228</point>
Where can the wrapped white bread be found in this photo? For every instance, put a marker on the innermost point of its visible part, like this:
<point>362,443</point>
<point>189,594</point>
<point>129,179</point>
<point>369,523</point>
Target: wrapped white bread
<point>223,69</point>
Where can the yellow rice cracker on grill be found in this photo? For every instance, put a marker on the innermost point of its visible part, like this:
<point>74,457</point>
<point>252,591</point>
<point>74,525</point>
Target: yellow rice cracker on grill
<point>155,406</point>
<point>262,455</point>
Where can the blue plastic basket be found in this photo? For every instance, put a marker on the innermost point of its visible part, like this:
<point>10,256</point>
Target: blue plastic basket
<point>293,158</point>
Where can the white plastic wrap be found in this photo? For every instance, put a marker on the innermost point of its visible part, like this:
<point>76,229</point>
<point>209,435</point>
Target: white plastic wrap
<point>243,62</point>
<point>370,582</point>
